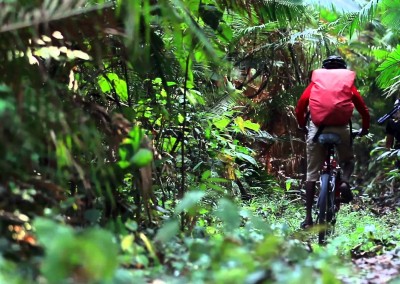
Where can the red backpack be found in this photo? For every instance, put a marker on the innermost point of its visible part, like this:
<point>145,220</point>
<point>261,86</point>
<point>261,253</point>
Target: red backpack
<point>330,98</point>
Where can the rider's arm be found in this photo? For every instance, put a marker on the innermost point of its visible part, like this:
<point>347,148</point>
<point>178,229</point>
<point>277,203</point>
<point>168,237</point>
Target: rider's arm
<point>361,107</point>
<point>302,104</point>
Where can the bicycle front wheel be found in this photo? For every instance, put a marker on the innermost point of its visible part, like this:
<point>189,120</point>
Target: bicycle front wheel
<point>325,213</point>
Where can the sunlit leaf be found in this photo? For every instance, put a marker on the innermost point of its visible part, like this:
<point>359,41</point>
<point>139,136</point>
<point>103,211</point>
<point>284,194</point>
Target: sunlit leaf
<point>222,122</point>
<point>206,175</point>
<point>127,242</point>
<point>142,158</point>
<point>251,125</point>
<point>240,123</point>
<point>81,55</point>
<point>181,118</point>
<point>110,82</point>
<point>148,245</point>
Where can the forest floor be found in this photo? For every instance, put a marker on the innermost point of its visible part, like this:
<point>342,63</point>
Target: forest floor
<point>377,269</point>
<point>367,236</point>
<point>380,264</point>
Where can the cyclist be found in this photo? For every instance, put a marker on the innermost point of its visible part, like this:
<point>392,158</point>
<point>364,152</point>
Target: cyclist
<point>393,129</point>
<point>329,100</point>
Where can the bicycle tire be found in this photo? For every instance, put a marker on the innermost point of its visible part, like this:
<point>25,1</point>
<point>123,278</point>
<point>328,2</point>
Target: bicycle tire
<point>325,209</point>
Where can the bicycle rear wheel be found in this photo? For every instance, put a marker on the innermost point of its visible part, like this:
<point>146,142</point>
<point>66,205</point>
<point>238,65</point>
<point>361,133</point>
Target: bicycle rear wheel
<point>325,209</point>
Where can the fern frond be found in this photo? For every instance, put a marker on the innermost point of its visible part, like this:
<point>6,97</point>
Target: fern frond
<point>308,34</point>
<point>352,21</point>
<point>390,69</point>
<point>226,103</point>
<point>268,27</point>
<point>260,136</point>
<point>391,15</point>
<point>348,22</point>
<point>283,11</point>
<point>368,11</point>
<point>394,88</point>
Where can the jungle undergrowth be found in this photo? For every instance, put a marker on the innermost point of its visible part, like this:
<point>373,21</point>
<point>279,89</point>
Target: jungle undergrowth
<point>359,230</point>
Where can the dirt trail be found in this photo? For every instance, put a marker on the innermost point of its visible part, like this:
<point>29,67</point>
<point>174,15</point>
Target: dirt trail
<point>378,269</point>
<point>379,265</point>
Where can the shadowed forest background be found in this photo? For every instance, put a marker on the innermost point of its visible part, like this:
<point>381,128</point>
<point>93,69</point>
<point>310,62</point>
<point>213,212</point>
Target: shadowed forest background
<point>154,141</point>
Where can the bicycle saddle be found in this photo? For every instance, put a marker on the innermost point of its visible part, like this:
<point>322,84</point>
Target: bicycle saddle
<point>329,138</point>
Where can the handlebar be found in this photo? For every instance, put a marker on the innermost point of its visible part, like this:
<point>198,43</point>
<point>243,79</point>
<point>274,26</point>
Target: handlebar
<point>357,133</point>
<point>389,114</point>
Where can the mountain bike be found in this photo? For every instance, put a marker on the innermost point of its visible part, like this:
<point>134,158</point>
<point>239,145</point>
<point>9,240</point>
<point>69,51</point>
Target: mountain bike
<point>328,202</point>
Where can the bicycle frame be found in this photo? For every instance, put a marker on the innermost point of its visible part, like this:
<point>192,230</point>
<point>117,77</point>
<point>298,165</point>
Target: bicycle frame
<point>328,199</point>
<point>333,170</point>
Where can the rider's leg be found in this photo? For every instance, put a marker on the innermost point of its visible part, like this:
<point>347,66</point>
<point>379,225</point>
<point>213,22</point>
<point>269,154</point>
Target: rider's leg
<point>315,159</point>
<point>310,193</point>
<point>346,162</point>
<point>345,190</point>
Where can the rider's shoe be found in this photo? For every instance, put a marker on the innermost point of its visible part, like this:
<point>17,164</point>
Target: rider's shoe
<point>346,194</point>
<point>306,224</point>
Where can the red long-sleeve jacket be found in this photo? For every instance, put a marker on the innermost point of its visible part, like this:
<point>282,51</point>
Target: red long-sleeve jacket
<point>359,104</point>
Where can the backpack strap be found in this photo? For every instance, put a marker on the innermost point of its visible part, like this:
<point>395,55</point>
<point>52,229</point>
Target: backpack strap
<point>308,115</point>
<point>351,133</point>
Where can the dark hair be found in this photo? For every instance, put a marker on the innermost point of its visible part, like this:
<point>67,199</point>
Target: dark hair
<point>334,62</point>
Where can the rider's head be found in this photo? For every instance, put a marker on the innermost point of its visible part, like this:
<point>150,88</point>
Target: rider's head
<point>334,62</point>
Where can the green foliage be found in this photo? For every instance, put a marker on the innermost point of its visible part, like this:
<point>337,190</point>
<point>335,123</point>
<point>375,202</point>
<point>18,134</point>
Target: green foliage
<point>391,17</point>
<point>111,81</point>
<point>360,232</point>
<point>130,152</point>
<point>389,76</point>
<point>251,252</point>
<point>9,273</point>
<point>87,256</point>
<point>125,115</point>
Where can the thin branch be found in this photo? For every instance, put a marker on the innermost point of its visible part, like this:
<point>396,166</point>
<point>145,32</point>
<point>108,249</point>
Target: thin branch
<point>183,169</point>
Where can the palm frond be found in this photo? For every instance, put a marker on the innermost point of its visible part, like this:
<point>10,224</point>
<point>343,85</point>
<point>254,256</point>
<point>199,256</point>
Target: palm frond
<point>367,12</point>
<point>394,88</point>
<point>260,136</point>
<point>226,103</point>
<point>352,21</point>
<point>268,27</point>
<point>307,34</point>
<point>391,15</point>
<point>348,23</point>
<point>390,69</point>
<point>282,11</point>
